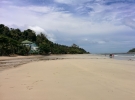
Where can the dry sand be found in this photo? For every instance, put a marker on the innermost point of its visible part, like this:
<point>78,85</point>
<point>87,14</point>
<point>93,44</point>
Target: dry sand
<point>70,79</point>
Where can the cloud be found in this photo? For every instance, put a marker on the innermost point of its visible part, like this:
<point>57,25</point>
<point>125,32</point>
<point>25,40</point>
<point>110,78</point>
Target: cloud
<point>73,21</point>
<point>5,2</point>
<point>52,19</point>
<point>63,1</point>
<point>71,1</point>
<point>37,29</point>
<point>129,22</point>
<point>51,37</point>
<point>92,41</point>
<point>101,42</point>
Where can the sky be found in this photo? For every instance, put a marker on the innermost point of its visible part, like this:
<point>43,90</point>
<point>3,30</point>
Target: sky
<point>98,26</point>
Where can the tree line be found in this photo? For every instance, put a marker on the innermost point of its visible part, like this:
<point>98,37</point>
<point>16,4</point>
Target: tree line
<point>132,50</point>
<point>10,43</point>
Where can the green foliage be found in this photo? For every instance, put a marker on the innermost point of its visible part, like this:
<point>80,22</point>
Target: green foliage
<point>23,50</point>
<point>10,43</point>
<point>9,46</point>
<point>44,48</point>
<point>132,50</point>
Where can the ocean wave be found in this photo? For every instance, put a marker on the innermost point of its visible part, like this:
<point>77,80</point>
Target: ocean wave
<point>124,56</point>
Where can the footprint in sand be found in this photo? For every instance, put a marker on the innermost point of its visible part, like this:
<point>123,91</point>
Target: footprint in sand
<point>29,87</point>
<point>6,78</point>
<point>23,84</point>
<point>35,82</point>
<point>11,87</point>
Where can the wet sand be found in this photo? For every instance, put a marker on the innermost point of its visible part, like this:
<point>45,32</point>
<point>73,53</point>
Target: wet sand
<point>74,78</point>
<point>12,62</point>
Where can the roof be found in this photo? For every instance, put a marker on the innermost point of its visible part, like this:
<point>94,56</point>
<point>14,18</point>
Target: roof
<point>26,42</point>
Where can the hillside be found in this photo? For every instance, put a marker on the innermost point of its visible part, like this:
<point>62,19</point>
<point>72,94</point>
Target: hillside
<point>132,50</point>
<point>10,43</point>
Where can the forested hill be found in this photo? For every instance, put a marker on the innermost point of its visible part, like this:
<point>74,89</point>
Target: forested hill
<point>10,43</point>
<point>132,50</point>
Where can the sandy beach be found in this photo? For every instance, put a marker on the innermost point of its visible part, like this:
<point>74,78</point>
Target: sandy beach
<point>70,78</point>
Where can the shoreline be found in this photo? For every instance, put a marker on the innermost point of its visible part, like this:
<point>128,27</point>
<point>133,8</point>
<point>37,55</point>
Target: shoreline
<point>12,62</point>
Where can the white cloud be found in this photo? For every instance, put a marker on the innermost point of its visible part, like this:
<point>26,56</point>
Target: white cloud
<point>40,9</point>
<point>37,29</point>
<point>51,37</point>
<point>66,23</point>
<point>54,22</point>
<point>85,39</point>
<point>5,2</point>
<point>129,22</point>
<point>62,22</point>
<point>64,1</point>
<point>71,1</point>
<point>101,42</point>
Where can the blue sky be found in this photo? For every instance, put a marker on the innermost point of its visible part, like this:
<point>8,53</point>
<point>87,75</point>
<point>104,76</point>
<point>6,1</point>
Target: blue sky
<point>98,26</point>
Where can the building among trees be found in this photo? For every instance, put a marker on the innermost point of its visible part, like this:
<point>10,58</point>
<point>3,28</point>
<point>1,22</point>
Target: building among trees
<point>33,48</point>
<point>17,42</point>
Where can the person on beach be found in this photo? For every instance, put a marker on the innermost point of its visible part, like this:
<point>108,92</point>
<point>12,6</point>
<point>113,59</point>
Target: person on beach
<point>110,55</point>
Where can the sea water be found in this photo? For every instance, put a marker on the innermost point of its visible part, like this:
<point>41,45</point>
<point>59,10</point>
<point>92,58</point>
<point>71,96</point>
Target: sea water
<point>125,56</point>
<point>120,56</point>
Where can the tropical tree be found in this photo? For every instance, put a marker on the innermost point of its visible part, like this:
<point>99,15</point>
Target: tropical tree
<point>10,43</point>
<point>132,50</point>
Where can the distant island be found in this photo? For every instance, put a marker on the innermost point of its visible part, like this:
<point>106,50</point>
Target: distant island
<point>132,50</point>
<point>15,42</point>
